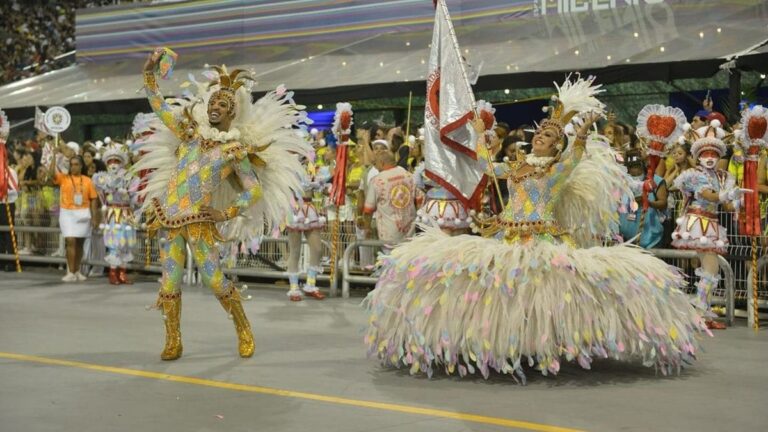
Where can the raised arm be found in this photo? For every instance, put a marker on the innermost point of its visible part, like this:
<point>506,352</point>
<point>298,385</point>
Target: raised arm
<point>156,99</point>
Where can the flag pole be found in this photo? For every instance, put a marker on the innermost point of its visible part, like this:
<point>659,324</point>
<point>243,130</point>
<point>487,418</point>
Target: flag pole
<point>408,119</point>
<point>455,43</point>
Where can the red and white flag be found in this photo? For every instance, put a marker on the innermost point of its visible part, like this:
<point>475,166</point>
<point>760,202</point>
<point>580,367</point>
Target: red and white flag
<point>450,143</point>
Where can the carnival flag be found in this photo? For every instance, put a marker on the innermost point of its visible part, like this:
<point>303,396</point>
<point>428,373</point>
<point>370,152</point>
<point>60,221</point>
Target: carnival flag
<point>40,121</point>
<point>450,148</point>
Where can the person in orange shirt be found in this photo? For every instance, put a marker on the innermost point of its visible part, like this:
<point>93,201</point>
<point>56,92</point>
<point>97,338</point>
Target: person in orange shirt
<point>79,213</point>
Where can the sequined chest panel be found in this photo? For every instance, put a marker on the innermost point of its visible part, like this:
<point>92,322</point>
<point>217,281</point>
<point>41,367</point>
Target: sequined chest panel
<point>532,196</point>
<point>198,173</point>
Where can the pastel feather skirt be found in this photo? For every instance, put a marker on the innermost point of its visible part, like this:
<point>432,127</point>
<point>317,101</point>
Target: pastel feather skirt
<point>468,303</point>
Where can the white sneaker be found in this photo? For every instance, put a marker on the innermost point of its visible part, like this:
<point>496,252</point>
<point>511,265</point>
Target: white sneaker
<point>25,251</point>
<point>69,277</point>
<point>80,277</point>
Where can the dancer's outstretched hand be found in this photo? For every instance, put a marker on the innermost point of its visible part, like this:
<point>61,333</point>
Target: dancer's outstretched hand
<point>152,59</point>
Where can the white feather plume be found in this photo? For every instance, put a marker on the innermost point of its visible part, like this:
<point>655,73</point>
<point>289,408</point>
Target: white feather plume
<point>580,95</point>
<point>593,193</point>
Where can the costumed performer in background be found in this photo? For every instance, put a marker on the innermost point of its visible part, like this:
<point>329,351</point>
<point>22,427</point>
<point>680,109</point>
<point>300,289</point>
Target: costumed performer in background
<point>706,188</point>
<point>117,188</point>
<point>308,219</point>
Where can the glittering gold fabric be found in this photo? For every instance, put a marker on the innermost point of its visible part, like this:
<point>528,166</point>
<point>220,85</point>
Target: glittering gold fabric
<point>170,304</point>
<point>230,301</point>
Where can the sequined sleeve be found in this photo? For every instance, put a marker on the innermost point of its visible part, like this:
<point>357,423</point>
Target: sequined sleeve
<point>159,105</point>
<point>251,187</point>
<point>730,181</point>
<point>692,182</point>
<point>100,181</point>
<point>565,167</point>
<point>500,169</point>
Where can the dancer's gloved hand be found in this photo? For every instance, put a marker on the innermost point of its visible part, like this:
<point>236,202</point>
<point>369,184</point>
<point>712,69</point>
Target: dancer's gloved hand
<point>733,194</point>
<point>478,125</point>
<point>216,215</point>
<point>152,59</point>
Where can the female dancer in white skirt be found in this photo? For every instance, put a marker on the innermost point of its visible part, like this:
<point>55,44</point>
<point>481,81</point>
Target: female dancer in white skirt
<point>78,214</point>
<point>538,287</point>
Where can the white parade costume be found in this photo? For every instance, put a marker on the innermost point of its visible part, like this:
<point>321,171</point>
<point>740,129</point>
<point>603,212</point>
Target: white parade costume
<point>117,188</point>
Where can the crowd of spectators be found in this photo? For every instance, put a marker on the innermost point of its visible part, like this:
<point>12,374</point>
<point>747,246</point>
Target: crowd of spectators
<point>36,35</point>
<point>37,200</point>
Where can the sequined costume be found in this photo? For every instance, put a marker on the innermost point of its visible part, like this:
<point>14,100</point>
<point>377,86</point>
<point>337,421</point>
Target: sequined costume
<point>537,287</point>
<point>307,219</point>
<point>117,189</point>
<point>308,213</point>
<point>698,228</point>
<point>246,172</point>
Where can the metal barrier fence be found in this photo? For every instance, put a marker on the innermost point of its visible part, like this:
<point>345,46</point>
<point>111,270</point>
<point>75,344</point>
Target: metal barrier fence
<point>43,243</point>
<point>268,262</point>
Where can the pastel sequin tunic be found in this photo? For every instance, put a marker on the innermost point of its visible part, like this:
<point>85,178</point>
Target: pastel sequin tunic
<point>532,200</point>
<point>115,188</point>
<point>117,193</point>
<point>202,165</point>
<point>693,181</point>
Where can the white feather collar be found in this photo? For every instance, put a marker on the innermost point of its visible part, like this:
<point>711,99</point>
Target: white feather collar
<point>538,161</point>
<point>213,134</point>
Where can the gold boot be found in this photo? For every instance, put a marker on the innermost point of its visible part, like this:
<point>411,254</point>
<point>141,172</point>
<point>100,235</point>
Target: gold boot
<point>170,304</point>
<point>230,300</point>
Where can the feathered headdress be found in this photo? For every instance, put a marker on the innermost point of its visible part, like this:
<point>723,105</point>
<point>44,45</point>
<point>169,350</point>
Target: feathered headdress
<point>228,83</point>
<point>116,151</point>
<point>573,97</point>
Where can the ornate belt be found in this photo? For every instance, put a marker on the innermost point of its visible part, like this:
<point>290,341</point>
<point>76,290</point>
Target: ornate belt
<point>490,226</point>
<point>699,212</point>
<point>178,222</point>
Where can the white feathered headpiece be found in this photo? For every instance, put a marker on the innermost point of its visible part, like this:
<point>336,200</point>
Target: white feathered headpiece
<point>573,97</point>
<point>116,151</point>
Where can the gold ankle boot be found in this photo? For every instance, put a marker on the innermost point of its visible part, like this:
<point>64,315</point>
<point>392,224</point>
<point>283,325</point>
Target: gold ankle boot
<point>170,304</point>
<point>230,300</point>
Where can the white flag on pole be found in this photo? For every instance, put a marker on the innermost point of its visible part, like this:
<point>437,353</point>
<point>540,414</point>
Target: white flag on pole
<point>450,143</point>
<point>40,121</point>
